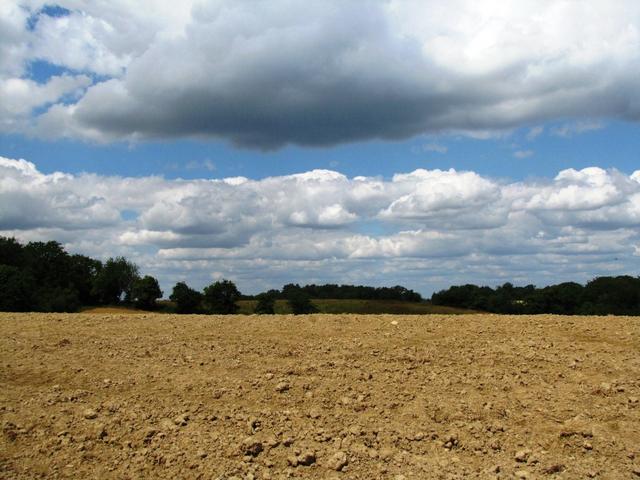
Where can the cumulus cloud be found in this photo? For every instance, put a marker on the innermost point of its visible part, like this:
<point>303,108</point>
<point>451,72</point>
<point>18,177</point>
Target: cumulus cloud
<point>267,74</point>
<point>428,227</point>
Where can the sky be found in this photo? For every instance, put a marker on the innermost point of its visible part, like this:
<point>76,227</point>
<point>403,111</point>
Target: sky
<point>421,143</point>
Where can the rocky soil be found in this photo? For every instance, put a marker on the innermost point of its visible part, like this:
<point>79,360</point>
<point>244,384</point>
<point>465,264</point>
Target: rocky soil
<point>346,397</point>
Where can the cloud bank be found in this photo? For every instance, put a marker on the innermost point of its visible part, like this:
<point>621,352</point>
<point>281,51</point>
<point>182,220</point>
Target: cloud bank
<point>269,73</point>
<point>425,229</point>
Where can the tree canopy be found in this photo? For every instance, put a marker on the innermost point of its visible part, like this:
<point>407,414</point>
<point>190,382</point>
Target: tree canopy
<point>221,297</point>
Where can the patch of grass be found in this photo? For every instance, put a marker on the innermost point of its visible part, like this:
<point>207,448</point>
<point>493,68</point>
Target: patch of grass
<point>361,307</point>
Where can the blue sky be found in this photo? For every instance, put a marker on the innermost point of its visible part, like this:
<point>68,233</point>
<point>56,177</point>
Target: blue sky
<point>549,153</point>
<point>538,115</point>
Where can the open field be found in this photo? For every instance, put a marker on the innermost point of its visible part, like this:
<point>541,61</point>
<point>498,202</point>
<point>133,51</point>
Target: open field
<point>364,307</point>
<point>367,307</point>
<point>109,395</point>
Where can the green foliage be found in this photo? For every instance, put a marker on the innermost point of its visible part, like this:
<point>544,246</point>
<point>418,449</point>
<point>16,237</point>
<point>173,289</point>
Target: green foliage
<point>48,263</point>
<point>603,295</point>
<point>16,289</point>
<point>114,281</point>
<point>186,299</point>
<point>82,275</point>
<point>300,302</point>
<point>353,292</point>
<point>266,304</point>
<point>221,297</point>
<point>58,299</point>
<point>11,252</point>
<point>145,291</point>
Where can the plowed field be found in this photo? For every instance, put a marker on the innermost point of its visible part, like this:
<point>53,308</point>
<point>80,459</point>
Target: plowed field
<point>323,396</point>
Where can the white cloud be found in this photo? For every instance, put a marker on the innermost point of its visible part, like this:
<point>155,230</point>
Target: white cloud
<point>272,73</point>
<point>435,147</point>
<point>569,130</point>
<point>535,132</point>
<point>425,228</point>
<point>523,153</point>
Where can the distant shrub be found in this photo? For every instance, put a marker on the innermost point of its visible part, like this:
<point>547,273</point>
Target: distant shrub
<point>221,297</point>
<point>300,302</point>
<point>266,304</point>
<point>145,291</point>
<point>187,300</point>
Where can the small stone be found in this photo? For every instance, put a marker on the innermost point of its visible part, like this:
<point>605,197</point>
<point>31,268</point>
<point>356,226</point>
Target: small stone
<point>636,470</point>
<point>587,446</point>
<point>394,323</point>
<point>181,420</point>
<point>556,468</point>
<point>337,461</point>
<point>90,414</point>
<point>522,455</point>
<point>633,400</point>
<point>522,474</point>
<point>314,413</point>
<point>287,442</point>
<point>201,454</point>
<point>167,424</point>
<point>282,387</point>
<point>251,447</point>
<point>306,458</point>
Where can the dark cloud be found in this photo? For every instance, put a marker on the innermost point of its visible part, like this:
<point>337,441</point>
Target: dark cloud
<point>266,74</point>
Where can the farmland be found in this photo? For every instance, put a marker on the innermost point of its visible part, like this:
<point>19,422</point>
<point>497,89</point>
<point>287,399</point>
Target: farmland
<point>115,395</point>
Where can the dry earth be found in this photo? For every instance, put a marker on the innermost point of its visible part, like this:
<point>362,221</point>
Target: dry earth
<point>346,397</point>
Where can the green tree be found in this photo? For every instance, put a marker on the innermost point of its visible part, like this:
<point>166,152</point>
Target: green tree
<point>16,289</point>
<point>145,291</point>
<point>115,280</point>
<point>300,302</point>
<point>266,304</point>
<point>82,276</point>
<point>221,297</point>
<point>48,263</point>
<point>11,252</point>
<point>187,300</point>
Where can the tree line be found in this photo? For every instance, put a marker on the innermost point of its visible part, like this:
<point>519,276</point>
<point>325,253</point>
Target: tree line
<point>42,276</point>
<point>601,296</point>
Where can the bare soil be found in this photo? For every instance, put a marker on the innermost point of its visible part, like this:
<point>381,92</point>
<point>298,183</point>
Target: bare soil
<point>323,396</point>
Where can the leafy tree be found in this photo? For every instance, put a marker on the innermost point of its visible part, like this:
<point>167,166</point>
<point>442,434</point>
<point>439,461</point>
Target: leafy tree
<point>300,302</point>
<point>58,299</point>
<point>613,295</point>
<point>145,291</point>
<point>16,289</point>
<point>186,299</point>
<point>48,263</point>
<point>266,304</point>
<point>115,281</point>
<point>82,276</point>
<point>221,297</point>
<point>11,252</point>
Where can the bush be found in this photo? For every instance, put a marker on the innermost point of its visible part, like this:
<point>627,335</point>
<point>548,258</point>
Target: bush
<point>144,292</point>
<point>16,289</point>
<point>186,299</point>
<point>266,304</point>
<point>300,302</point>
<point>221,297</point>
<point>115,281</point>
